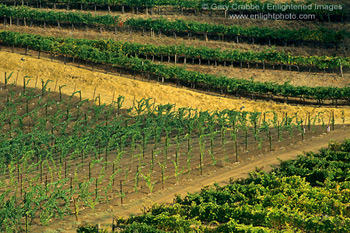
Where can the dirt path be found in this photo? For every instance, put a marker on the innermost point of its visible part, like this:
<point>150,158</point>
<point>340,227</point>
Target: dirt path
<point>104,213</point>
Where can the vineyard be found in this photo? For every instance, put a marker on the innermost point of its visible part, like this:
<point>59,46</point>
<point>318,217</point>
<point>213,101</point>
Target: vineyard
<point>77,150</point>
<point>64,155</point>
<point>322,36</point>
<point>308,194</point>
<point>111,54</point>
<point>337,14</point>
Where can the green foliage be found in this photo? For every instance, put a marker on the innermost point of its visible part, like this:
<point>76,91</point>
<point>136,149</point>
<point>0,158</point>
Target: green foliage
<point>90,229</point>
<point>291,198</point>
<point>56,16</point>
<point>198,5</point>
<point>113,53</point>
<point>48,151</point>
<point>320,35</point>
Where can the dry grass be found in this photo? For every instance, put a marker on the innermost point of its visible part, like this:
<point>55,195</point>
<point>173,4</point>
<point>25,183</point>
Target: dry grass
<point>106,84</point>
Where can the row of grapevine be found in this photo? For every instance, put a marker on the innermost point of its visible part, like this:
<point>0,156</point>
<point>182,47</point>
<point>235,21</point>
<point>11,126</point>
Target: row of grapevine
<point>57,46</point>
<point>323,11</point>
<point>269,56</point>
<point>307,194</point>
<point>27,13</point>
<point>321,35</point>
<point>65,137</point>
